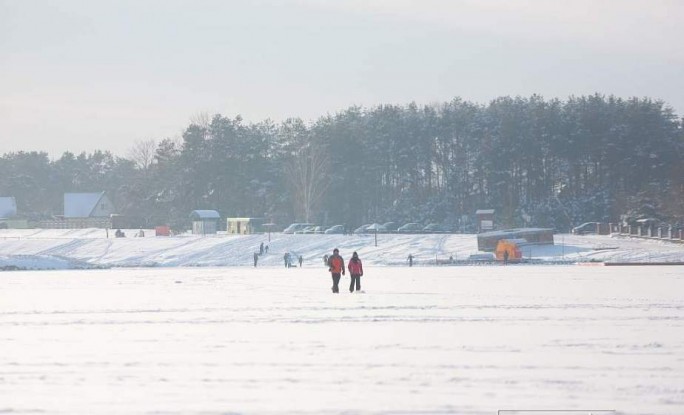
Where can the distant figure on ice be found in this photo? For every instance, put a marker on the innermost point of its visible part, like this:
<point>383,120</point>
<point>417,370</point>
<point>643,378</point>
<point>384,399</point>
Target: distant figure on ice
<point>119,233</point>
<point>336,267</point>
<point>325,259</point>
<point>256,259</point>
<point>355,268</point>
<point>410,260</point>
<point>266,249</point>
<point>140,234</point>
<point>505,255</point>
<point>261,249</point>
<point>286,259</point>
<point>301,259</point>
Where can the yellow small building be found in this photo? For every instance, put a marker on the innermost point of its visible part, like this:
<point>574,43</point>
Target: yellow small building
<point>244,226</point>
<point>510,246</point>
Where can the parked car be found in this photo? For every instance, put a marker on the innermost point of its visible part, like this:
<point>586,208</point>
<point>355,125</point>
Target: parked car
<point>586,228</point>
<point>648,222</point>
<point>375,227</point>
<point>308,229</point>
<point>312,230</point>
<point>438,228</point>
<point>337,229</point>
<point>297,227</point>
<point>390,226</point>
<point>362,229</point>
<point>410,227</point>
<point>433,228</point>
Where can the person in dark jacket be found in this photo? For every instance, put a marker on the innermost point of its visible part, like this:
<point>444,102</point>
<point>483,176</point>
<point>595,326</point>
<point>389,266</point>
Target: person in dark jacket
<point>336,267</point>
<point>355,271</point>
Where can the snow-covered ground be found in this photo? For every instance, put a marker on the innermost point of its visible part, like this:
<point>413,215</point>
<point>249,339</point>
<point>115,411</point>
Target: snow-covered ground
<point>427,340</point>
<point>186,325</point>
<point>80,248</point>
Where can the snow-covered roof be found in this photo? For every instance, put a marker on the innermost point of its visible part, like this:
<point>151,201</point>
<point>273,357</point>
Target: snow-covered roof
<point>513,232</point>
<point>80,205</point>
<point>516,241</point>
<point>8,207</point>
<point>204,214</point>
<point>242,219</point>
<point>484,212</point>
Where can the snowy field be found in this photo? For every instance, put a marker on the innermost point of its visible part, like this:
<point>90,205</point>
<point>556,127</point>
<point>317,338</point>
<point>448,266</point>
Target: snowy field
<point>187,325</point>
<point>87,248</point>
<point>421,340</point>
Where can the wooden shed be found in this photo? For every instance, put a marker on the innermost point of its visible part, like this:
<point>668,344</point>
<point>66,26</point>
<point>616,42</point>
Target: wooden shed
<point>204,222</point>
<point>485,220</point>
<point>512,247</point>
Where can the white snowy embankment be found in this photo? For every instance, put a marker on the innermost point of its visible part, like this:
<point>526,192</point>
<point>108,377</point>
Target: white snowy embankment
<point>94,248</point>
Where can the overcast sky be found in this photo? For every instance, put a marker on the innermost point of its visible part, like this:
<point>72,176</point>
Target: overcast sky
<point>81,75</point>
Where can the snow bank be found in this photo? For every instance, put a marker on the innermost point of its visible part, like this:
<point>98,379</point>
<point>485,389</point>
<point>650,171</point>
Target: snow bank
<point>82,248</point>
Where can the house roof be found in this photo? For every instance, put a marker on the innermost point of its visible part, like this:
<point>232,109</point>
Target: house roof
<point>512,233</point>
<point>80,205</point>
<point>516,241</point>
<point>243,219</point>
<point>8,207</point>
<point>204,214</point>
<point>484,212</point>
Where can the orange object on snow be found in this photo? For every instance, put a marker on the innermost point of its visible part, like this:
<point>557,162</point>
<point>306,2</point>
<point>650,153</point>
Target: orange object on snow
<point>510,246</point>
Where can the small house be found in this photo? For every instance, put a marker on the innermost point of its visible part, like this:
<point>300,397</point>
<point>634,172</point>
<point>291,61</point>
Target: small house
<point>83,210</point>
<point>8,207</point>
<point>512,247</point>
<point>244,226</point>
<point>8,210</point>
<point>204,222</point>
<point>87,205</point>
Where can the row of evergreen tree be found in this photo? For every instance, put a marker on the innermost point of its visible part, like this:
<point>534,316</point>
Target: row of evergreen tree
<point>537,162</point>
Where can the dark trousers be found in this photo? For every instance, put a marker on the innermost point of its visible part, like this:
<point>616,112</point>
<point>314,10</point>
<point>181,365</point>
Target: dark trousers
<point>336,282</point>
<point>355,279</point>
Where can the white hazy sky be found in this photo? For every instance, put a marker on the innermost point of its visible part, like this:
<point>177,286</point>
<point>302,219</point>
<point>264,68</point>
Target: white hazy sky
<point>81,75</point>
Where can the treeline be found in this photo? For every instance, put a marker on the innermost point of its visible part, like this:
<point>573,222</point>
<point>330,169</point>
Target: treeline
<point>542,163</point>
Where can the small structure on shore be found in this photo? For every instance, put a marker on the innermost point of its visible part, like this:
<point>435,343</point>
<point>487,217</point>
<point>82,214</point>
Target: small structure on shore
<point>244,226</point>
<point>204,222</point>
<point>485,220</point>
<point>538,236</point>
<point>508,250</point>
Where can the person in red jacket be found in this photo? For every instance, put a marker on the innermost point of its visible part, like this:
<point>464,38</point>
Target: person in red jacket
<point>356,271</point>
<point>336,267</point>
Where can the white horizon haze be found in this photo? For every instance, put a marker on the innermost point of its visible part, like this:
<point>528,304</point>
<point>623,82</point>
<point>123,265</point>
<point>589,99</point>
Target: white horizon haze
<point>77,75</point>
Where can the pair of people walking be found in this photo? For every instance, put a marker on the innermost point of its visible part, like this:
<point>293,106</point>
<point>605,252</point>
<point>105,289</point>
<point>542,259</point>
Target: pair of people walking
<point>336,268</point>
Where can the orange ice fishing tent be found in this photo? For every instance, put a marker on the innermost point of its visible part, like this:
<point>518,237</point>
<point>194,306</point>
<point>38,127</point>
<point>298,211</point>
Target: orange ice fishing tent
<point>512,246</point>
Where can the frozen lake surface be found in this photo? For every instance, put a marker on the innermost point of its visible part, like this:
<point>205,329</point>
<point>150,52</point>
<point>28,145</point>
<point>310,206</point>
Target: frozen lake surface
<point>465,340</point>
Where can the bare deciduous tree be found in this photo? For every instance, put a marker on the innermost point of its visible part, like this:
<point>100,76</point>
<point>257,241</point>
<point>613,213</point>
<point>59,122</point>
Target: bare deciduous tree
<point>142,153</point>
<point>308,175</point>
